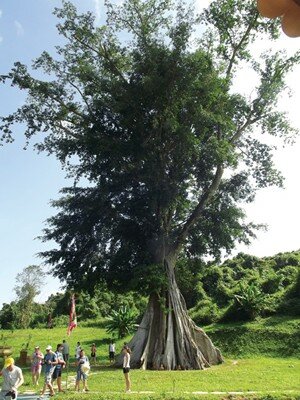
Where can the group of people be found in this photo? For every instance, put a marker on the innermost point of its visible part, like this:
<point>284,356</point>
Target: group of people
<point>93,358</point>
<point>54,362</point>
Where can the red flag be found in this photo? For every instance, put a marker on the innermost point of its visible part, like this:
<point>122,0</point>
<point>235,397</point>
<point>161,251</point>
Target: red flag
<point>73,318</point>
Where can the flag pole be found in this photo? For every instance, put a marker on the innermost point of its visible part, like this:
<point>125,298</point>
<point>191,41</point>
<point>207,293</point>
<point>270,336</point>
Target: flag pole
<point>67,375</point>
<point>72,324</point>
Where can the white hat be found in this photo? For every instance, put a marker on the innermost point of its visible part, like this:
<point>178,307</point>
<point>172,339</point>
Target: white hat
<point>49,347</point>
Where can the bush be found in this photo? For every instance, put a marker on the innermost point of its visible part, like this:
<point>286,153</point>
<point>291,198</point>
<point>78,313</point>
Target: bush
<point>205,313</point>
<point>121,321</point>
<point>250,300</point>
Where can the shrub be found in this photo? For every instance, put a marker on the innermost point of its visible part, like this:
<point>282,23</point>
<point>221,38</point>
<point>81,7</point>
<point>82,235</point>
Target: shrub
<point>251,300</point>
<point>121,321</point>
<point>205,313</point>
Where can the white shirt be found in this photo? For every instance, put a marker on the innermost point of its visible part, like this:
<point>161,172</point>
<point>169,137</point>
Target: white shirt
<point>126,361</point>
<point>11,378</point>
<point>77,351</point>
<point>112,347</point>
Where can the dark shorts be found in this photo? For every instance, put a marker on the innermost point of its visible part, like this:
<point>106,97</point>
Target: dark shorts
<point>93,355</point>
<point>81,376</point>
<point>56,373</point>
<point>111,355</point>
<point>126,370</point>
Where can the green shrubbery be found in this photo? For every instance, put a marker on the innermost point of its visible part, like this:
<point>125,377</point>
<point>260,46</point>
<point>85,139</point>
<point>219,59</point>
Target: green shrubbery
<point>88,307</point>
<point>244,288</point>
<point>240,289</point>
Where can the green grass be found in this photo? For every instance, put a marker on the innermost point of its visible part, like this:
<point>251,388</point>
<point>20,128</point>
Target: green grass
<point>270,337</point>
<point>269,373</point>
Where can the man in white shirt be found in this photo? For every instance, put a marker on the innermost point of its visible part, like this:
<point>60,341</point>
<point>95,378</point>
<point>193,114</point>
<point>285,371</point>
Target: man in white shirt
<point>12,379</point>
<point>111,351</point>
<point>65,351</point>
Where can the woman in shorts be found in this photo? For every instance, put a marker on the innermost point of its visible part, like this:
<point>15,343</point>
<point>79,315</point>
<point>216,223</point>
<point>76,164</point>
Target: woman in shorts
<point>126,367</point>
<point>36,365</point>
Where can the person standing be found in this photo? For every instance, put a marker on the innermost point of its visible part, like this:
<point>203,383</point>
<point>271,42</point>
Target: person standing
<point>126,367</point>
<point>12,379</point>
<point>58,368</point>
<point>65,351</point>
<point>50,361</point>
<point>83,368</point>
<point>77,350</point>
<point>93,353</point>
<point>36,365</point>
<point>111,351</point>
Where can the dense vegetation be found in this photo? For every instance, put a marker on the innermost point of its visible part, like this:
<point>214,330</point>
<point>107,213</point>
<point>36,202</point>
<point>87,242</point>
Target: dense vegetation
<point>242,288</point>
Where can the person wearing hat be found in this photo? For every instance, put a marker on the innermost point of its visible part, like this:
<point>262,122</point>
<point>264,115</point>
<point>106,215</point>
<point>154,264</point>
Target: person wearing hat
<point>12,379</point>
<point>36,365</point>
<point>50,361</point>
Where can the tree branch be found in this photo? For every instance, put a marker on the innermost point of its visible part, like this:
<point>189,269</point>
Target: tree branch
<point>103,54</point>
<point>205,198</point>
<point>239,45</point>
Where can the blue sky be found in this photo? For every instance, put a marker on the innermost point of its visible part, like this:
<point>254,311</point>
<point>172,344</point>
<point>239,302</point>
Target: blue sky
<point>29,180</point>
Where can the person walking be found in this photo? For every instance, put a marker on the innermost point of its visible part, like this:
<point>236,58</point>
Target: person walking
<point>83,368</point>
<point>126,367</point>
<point>50,361</point>
<point>59,367</point>
<point>12,380</point>
<point>65,351</point>
<point>111,351</point>
<point>93,353</point>
<point>36,365</point>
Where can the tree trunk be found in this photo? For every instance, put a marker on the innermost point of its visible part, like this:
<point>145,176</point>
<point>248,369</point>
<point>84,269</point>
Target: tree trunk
<point>167,338</point>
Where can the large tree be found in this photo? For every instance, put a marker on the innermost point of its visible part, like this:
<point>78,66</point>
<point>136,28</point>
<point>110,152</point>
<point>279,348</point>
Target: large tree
<point>147,122</point>
<point>29,283</point>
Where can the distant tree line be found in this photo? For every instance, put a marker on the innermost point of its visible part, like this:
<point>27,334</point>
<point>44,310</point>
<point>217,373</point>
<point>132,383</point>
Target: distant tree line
<point>240,289</point>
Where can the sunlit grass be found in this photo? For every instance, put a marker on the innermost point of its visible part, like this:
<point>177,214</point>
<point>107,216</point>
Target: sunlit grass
<point>276,377</point>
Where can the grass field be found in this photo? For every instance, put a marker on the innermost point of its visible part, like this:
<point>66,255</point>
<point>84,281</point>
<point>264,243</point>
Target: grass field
<point>249,375</point>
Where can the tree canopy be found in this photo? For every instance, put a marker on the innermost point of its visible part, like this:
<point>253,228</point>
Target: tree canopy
<point>150,121</point>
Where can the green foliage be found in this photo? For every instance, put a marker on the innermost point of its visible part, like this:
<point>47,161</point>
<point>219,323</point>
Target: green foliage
<point>121,321</point>
<point>8,315</point>
<point>246,287</point>
<point>251,300</point>
<point>29,284</point>
<point>205,312</point>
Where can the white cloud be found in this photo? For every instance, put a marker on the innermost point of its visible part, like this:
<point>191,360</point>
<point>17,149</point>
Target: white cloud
<point>19,28</point>
<point>97,4</point>
<point>0,13</point>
